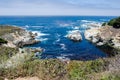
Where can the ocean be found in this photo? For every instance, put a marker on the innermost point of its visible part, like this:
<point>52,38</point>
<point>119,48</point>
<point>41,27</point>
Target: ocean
<point>52,31</point>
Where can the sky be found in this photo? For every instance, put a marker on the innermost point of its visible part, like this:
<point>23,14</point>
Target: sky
<point>60,7</point>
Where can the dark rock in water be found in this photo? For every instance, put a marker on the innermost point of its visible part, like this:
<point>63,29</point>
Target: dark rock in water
<point>75,36</point>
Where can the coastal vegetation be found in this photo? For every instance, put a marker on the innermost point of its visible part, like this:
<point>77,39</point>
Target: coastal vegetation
<point>113,22</point>
<point>2,41</point>
<point>6,29</point>
<point>54,69</point>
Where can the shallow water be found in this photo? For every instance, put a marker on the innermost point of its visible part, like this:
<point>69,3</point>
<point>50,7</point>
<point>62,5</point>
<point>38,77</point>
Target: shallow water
<point>52,31</point>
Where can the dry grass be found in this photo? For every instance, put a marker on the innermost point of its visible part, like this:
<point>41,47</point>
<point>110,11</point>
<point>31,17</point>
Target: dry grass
<point>5,29</point>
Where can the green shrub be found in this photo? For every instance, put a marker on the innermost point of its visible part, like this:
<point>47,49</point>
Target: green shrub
<point>111,77</point>
<point>78,70</point>
<point>3,41</point>
<point>103,24</point>
<point>115,22</point>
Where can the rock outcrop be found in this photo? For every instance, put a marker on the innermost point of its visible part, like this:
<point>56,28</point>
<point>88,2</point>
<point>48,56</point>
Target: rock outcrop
<point>75,36</point>
<point>20,38</point>
<point>104,35</point>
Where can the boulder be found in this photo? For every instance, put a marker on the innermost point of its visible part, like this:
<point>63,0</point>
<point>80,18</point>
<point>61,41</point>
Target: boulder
<point>75,36</point>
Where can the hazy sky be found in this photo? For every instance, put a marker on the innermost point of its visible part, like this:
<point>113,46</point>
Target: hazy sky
<point>60,7</point>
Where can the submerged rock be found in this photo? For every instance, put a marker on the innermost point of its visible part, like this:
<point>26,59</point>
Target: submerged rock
<point>75,36</point>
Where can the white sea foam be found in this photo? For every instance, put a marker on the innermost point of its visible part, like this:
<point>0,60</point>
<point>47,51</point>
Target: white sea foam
<point>86,21</point>
<point>64,24</point>
<point>26,26</point>
<point>91,25</point>
<point>43,39</point>
<point>63,58</point>
<point>72,31</point>
<point>58,40</point>
<point>38,26</point>
<point>39,33</point>
<point>76,28</point>
<point>63,46</point>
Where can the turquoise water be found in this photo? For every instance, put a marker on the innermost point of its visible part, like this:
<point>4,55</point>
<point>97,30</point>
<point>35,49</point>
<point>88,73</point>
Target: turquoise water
<point>52,31</point>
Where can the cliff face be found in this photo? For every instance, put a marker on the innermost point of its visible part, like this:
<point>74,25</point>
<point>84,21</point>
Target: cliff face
<point>18,37</point>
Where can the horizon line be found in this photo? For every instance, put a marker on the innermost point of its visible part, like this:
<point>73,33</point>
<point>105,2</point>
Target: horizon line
<point>61,15</point>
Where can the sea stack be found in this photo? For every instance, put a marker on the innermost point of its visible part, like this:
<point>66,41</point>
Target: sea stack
<point>75,36</point>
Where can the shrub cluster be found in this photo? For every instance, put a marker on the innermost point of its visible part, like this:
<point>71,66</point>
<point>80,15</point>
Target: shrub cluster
<point>2,41</point>
<point>115,22</point>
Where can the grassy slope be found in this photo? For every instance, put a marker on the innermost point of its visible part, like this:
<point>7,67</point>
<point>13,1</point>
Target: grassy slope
<point>7,29</point>
<point>56,70</point>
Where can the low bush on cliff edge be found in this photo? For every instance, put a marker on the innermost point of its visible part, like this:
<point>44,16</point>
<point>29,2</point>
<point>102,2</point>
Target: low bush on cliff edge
<point>2,41</point>
<point>115,22</point>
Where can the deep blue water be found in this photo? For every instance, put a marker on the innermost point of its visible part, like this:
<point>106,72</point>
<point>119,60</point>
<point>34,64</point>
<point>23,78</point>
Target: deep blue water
<point>52,30</point>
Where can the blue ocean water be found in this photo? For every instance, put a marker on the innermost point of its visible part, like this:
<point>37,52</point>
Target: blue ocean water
<point>52,31</point>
